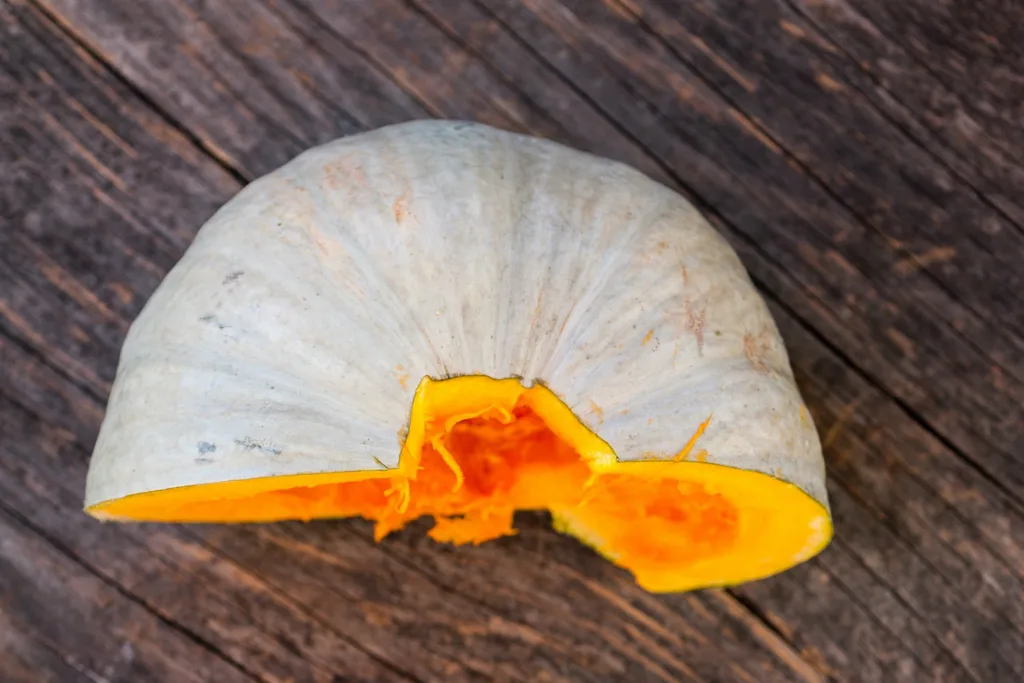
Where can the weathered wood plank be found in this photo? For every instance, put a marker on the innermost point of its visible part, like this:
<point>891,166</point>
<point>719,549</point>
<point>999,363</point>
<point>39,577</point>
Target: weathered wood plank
<point>948,72</point>
<point>86,625</point>
<point>26,660</point>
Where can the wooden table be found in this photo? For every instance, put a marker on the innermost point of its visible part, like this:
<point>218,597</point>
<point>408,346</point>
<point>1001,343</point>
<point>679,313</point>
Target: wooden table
<point>865,158</point>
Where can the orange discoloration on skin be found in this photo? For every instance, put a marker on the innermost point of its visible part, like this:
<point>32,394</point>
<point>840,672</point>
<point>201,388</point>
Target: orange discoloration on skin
<point>320,243</point>
<point>755,348</point>
<point>686,276</point>
<point>402,376</point>
<point>401,209</point>
<point>701,456</point>
<point>537,310</point>
<point>341,173</point>
<point>695,321</point>
<point>647,338</point>
<point>682,455</point>
<point>598,411</point>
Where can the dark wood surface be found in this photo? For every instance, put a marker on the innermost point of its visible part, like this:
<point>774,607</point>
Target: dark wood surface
<point>865,158</point>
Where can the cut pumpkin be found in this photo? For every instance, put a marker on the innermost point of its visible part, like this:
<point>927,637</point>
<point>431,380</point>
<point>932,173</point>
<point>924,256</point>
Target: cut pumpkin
<point>478,449</point>
<point>268,375</point>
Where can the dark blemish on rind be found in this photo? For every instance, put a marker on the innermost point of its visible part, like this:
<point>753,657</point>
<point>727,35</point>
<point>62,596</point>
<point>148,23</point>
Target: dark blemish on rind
<point>212,319</point>
<point>251,444</point>
<point>233,276</point>
<point>206,447</point>
<point>204,461</point>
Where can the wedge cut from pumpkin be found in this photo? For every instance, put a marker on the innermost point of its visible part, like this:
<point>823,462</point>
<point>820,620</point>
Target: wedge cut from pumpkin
<point>478,449</point>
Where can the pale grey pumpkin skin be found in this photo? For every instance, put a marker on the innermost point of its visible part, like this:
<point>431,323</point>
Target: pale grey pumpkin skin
<point>291,336</point>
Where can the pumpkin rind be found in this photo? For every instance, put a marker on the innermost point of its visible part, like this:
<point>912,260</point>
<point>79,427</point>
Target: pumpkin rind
<point>290,338</point>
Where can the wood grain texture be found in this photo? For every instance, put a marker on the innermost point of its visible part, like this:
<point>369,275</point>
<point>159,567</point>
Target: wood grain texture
<point>84,625</point>
<point>870,190</point>
<point>949,72</point>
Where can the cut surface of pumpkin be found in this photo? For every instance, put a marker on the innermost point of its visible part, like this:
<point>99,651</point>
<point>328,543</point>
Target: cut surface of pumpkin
<point>478,449</point>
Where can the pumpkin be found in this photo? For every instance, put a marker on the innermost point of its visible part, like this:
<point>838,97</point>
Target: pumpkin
<point>440,318</point>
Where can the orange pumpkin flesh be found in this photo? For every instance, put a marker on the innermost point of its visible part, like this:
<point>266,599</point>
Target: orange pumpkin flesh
<point>478,449</point>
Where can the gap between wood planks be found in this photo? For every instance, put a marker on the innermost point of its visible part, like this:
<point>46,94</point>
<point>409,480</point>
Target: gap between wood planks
<point>917,418</point>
